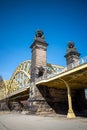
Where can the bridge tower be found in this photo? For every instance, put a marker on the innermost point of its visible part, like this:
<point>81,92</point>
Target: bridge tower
<point>72,54</point>
<point>39,48</point>
<point>38,69</point>
<point>72,60</point>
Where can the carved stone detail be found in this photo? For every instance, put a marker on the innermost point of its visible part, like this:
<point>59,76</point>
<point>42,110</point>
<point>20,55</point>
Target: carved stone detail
<point>72,54</point>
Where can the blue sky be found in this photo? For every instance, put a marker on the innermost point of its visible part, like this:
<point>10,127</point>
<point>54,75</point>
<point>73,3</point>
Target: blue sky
<point>60,20</point>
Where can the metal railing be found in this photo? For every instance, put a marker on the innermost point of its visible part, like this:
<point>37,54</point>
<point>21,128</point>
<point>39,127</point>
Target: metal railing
<point>62,70</point>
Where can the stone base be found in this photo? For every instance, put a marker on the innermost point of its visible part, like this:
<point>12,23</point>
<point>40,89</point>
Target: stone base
<point>12,106</point>
<point>38,107</point>
<point>71,114</point>
<point>4,106</point>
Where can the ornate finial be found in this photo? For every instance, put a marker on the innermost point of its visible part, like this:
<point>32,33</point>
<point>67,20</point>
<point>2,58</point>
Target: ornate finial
<point>72,55</point>
<point>71,45</point>
<point>39,38</point>
<point>39,35</point>
<point>71,50</point>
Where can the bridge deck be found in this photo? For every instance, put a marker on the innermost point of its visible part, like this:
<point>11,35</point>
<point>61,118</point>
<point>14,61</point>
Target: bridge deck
<point>21,94</point>
<point>76,78</point>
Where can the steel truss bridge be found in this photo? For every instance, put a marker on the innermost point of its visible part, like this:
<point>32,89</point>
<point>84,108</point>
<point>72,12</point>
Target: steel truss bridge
<point>18,86</point>
<point>73,76</point>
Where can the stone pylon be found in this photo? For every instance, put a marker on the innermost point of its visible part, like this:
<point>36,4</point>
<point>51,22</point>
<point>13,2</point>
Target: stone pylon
<point>38,69</point>
<point>72,55</point>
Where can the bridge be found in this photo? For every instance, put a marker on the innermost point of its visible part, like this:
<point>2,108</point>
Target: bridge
<point>48,87</point>
<point>19,83</point>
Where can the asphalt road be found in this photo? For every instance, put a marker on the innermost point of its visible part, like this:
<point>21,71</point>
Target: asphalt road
<point>30,122</point>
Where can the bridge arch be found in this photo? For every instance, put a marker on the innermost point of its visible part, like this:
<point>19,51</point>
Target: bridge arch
<point>20,77</point>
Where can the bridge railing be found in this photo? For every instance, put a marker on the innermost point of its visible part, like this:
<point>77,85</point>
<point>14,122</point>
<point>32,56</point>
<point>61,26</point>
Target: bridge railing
<point>68,67</point>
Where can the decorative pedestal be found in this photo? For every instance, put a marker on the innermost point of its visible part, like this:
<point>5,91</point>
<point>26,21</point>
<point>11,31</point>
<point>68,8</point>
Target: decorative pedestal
<point>39,106</point>
<point>71,114</point>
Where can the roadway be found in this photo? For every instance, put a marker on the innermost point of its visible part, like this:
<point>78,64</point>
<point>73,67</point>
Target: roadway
<point>32,122</point>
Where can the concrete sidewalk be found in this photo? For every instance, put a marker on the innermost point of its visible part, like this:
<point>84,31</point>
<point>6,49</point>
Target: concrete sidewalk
<point>31,122</point>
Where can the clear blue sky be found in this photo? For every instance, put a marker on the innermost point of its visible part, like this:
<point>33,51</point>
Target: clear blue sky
<point>60,20</point>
